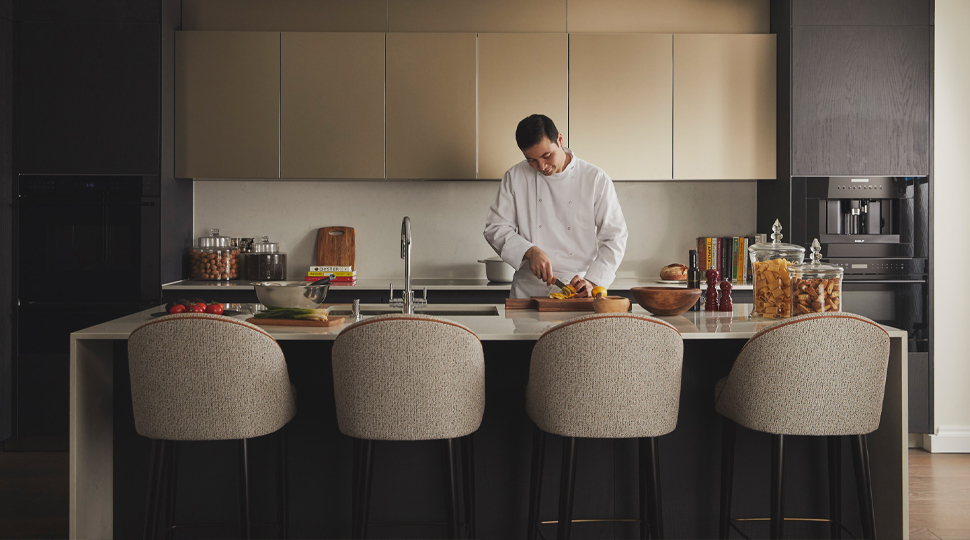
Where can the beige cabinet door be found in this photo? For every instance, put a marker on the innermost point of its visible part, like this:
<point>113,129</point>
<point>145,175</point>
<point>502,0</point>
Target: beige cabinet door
<point>620,103</point>
<point>332,105</point>
<point>431,106</point>
<point>518,75</point>
<point>227,96</point>
<point>724,106</point>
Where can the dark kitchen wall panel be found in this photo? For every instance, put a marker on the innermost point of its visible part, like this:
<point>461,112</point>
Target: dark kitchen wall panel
<point>774,196</point>
<point>88,98</point>
<point>123,11</point>
<point>860,100</point>
<point>176,193</point>
<point>861,12</point>
<point>6,227</point>
<point>6,9</point>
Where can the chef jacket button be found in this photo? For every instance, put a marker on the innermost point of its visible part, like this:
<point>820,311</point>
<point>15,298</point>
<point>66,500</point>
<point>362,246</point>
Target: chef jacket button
<point>540,226</point>
<point>540,200</point>
<point>570,252</point>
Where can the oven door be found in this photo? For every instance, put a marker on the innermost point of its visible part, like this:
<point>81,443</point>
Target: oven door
<point>903,304</point>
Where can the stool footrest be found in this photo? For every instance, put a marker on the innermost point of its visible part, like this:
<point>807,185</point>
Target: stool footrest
<point>734,526</point>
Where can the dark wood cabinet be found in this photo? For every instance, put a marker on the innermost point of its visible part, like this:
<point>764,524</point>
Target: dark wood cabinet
<point>121,11</point>
<point>6,228</point>
<point>860,100</point>
<point>88,98</point>
<point>860,12</point>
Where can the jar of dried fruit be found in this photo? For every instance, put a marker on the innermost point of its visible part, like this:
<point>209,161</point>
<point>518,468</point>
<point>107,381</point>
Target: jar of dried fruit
<point>265,263</point>
<point>772,286</point>
<point>815,287</point>
<point>214,258</point>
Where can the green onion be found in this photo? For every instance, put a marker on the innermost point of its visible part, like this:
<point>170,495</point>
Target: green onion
<point>276,312</point>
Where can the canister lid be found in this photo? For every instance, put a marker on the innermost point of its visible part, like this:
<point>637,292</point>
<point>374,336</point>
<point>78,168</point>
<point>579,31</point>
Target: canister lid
<point>776,248</point>
<point>214,240</point>
<point>265,246</point>
<point>815,268</point>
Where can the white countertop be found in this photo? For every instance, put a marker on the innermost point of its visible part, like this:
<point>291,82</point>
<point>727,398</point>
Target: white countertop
<point>456,284</point>
<point>526,324</point>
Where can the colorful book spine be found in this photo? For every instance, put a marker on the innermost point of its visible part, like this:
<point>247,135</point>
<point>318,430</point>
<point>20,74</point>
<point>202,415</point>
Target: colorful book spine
<point>333,280</point>
<point>735,270</point>
<point>331,268</point>
<point>335,274</point>
<point>710,254</point>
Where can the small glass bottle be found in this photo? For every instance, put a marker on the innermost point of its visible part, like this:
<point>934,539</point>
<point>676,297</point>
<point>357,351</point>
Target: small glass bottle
<point>693,276</point>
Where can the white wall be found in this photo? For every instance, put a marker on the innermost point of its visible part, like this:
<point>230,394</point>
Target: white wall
<point>952,223</point>
<point>447,219</point>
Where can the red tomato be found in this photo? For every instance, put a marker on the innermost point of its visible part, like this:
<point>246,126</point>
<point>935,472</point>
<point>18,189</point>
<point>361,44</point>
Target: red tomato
<point>215,309</point>
<point>177,308</point>
<point>197,308</point>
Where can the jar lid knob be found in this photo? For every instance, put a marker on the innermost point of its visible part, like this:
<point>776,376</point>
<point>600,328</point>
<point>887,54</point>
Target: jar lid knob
<point>816,252</point>
<point>265,239</point>
<point>776,235</point>
<point>213,232</point>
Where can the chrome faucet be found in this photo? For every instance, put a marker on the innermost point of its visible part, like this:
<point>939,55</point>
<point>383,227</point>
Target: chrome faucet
<point>407,300</point>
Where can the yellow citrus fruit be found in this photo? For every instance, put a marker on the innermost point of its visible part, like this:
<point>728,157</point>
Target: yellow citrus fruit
<point>599,291</point>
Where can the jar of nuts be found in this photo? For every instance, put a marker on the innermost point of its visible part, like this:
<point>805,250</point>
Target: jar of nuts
<point>815,287</point>
<point>214,258</point>
<point>772,286</point>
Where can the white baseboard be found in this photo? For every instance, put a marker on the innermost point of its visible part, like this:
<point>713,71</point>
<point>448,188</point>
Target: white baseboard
<point>948,440</point>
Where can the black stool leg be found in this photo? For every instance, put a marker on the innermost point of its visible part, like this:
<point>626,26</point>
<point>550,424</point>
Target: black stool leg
<point>363,489</point>
<point>777,485</point>
<point>282,495</point>
<point>650,468</point>
<point>173,473</point>
<point>355,490</point>
<point>154,479</point>
<point>452,450</point>
<point>863,478</point>
<point>729,431</point>
<point>535,482</point>
<point>468,480</point>
<point>245,525</point>
<point>567,487</point>
<point>835,484</point>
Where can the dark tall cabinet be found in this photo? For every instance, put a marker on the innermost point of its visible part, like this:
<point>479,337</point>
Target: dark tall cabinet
<point>6,224</point>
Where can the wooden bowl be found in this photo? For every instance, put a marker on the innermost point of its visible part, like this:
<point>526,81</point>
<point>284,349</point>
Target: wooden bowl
<point>611,304</point>
<point>665,300</point>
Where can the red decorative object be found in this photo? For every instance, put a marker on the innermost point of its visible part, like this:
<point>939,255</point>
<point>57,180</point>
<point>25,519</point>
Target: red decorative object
<point>712,277</point>
<point>726,304</point>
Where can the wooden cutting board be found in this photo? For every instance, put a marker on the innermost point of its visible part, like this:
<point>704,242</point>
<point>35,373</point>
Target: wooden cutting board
<point>336,246</point>
<point>331,321</point>
<point>542,303</point>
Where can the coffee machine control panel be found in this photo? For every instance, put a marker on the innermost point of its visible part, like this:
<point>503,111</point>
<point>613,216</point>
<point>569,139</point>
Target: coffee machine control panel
<point>863,187</point>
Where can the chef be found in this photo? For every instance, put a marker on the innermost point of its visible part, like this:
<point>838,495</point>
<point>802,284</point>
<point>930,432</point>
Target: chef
<point>555,216</point>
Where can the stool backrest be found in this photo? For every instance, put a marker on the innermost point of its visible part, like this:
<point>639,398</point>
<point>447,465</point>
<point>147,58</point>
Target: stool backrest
<point>206,377</point>
<point>815,374</point>
<point>408,377</point>
<point>608,375</point>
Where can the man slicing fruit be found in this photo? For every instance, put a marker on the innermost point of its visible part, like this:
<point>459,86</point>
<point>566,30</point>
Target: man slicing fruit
<point>555,214</point>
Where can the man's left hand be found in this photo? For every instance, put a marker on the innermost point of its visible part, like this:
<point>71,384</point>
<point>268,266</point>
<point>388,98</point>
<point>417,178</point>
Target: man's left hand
<point>582,287</point>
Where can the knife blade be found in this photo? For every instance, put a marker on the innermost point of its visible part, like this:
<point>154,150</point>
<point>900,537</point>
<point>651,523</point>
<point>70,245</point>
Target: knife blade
<point>560,284</point>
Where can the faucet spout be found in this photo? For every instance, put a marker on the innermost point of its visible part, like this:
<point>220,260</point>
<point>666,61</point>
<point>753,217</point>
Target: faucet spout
<point>406,255</point>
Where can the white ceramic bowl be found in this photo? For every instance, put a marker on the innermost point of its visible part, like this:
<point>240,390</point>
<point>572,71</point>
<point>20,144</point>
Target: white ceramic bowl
<point>497,270</point>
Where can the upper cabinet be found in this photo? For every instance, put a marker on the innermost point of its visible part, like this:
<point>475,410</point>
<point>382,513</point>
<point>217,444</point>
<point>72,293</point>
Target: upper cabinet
<point>477,16</point>
<point>98,11</point>
<point>87,98</point>
<point>513,85</point>
<point>227,104</point>
<point>620,112</point>
<point>860,100</point>
<point>860,12</point>
<point>431,116</point>
<point>724,107</point>
<point>332,105</point>
<point>285,15</point>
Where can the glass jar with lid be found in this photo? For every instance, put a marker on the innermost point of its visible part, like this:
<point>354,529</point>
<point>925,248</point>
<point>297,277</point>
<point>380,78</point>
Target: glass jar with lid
<point>769,264</point>
<point>214,258</point>
<point>815,287</point>
<point>265,262</point>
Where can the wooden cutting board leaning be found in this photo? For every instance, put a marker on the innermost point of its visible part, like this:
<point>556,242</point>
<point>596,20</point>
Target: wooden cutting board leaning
<point>336,246</point>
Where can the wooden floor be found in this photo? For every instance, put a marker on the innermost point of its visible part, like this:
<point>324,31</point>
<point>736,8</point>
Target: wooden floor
<point>33,495</point>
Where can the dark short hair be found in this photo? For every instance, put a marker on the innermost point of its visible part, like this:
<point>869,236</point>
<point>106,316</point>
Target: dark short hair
<point>531,130</point>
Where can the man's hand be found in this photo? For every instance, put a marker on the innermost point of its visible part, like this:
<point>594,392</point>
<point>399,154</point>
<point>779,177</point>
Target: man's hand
<point>581,286</point>
<point>540,265</point>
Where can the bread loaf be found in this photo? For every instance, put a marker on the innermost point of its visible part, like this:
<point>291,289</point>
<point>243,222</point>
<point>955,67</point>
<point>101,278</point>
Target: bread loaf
<point>674,271</point>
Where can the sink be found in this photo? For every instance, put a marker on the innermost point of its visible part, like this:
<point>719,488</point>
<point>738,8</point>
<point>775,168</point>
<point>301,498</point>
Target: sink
<point>447,310</point>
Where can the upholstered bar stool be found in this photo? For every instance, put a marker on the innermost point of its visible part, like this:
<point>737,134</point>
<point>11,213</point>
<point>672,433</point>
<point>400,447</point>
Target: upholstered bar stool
<point>200,377</point>
<point>820,374</point>
<point>610,376</point>
<point>410,378</point>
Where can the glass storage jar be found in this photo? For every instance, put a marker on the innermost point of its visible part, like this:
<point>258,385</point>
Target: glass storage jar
<point>265,262</point>
<point>815,287</point>
<point>214,258</point>
<point>769,263</point>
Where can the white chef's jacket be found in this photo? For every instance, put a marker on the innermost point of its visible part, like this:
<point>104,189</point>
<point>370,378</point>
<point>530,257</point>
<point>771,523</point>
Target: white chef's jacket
<point>573,216</point>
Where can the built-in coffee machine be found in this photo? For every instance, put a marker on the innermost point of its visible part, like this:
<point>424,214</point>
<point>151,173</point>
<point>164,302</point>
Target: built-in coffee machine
<point>877,229</point>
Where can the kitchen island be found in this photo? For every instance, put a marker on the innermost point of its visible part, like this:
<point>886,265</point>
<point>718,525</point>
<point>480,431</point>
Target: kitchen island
<point>109,460</point>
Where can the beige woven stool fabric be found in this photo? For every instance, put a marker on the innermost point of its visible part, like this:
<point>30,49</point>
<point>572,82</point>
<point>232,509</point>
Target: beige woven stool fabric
<point>606,376</point>
<point>408,378</point>
<point>815,374</point>
<point>200,377</point>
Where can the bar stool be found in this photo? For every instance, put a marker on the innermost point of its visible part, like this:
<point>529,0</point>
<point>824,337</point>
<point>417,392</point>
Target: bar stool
<point>410,378</point>
<point>821,374</point>
<point>604,376</point>
<point>201,377</point>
